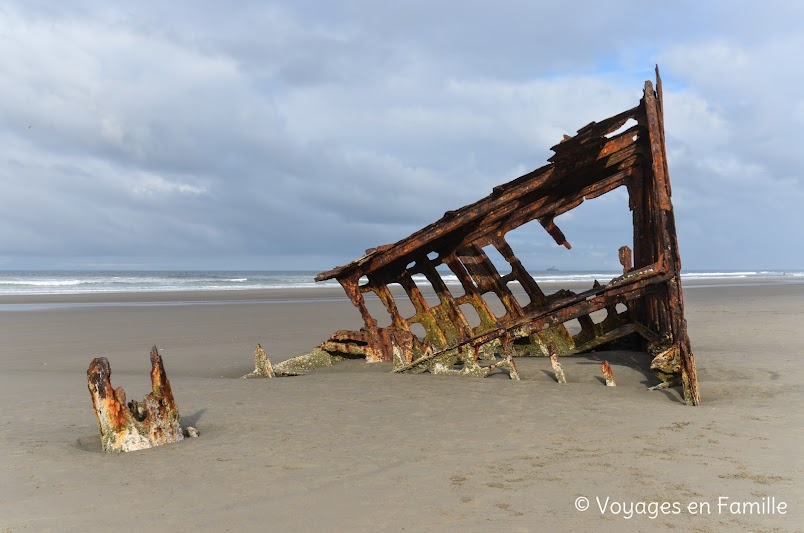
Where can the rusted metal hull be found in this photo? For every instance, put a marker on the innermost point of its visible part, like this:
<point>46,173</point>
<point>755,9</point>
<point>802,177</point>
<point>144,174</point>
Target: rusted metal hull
<point>592,163</point>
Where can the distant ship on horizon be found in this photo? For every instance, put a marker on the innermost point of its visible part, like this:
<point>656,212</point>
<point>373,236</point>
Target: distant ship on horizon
<point>552,269</point>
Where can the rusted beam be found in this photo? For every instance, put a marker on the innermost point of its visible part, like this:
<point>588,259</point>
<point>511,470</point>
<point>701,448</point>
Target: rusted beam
<point>669,241</point>
<point>554,231</point>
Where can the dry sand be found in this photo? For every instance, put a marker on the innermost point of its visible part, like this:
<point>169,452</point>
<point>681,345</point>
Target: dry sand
<point>354,448</point>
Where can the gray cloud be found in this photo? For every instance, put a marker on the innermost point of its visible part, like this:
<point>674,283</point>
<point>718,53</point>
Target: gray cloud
<point>295,135</point>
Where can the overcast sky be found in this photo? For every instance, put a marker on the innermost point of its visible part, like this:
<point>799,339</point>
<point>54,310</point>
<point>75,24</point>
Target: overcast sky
<point>294,135</point>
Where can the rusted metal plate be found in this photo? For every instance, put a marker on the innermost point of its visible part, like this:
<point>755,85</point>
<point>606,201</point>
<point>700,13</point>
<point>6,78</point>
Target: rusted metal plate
<point>595,161</point>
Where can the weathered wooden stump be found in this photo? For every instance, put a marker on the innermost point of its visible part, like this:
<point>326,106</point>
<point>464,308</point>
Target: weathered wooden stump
<point>136,425</point>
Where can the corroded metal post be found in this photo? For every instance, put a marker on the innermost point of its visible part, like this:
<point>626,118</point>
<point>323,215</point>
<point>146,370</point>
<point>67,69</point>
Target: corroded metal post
<point>559,372</point>
<point>136,425</point>
<point>608,375</point>
<point>625,258</point>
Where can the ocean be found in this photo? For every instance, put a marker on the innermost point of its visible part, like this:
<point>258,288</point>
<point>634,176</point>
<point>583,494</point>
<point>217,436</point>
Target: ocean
<point>87,282</point>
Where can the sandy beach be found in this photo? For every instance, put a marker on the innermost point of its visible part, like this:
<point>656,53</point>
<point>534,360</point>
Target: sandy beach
<point>354,448</point>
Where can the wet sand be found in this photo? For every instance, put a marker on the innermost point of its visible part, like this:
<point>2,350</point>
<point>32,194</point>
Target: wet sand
<point>356,448</point>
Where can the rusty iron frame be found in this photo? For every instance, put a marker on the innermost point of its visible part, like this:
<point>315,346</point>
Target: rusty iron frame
<point>597,160</point>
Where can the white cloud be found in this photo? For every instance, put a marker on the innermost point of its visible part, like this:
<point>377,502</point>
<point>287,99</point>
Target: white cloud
<point>318,130</point>
<point>149,184</point>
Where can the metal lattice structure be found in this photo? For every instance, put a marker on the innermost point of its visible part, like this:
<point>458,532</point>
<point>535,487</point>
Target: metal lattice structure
<point>597,160</point>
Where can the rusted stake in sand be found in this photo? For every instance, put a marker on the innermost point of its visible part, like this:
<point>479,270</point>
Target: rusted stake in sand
<point>136,425</point>
<point>509,364</point>
<point>605,367</point>
<point>262,365</point>
<point>559,372</point>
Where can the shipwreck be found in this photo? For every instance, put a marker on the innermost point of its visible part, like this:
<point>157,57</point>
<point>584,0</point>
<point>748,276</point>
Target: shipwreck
<point>644,305</point>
